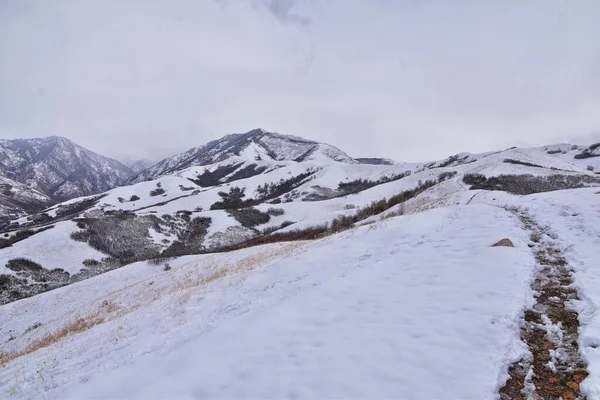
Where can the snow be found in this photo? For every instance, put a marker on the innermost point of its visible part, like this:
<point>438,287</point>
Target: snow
<point>52,248</point>
<point>58,167</point>
<point>377,312</point>
<point>575,217</point>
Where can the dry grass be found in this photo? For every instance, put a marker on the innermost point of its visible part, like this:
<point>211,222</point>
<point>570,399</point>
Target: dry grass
<point>79,325</point>
<point>506,242</point>
<point>109,310</point>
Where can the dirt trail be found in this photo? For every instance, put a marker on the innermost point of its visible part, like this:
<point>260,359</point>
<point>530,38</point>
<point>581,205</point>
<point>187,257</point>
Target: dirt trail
<point>550,329</point>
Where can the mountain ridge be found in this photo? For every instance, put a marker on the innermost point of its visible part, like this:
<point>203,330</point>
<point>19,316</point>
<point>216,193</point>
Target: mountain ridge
<point>59,168</point>
<point>255,145</point>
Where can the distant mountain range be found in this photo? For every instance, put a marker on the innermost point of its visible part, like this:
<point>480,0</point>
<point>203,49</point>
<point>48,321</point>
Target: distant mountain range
<point>137,165</point>
<point>40,172</point>
<point>238,190</point>
<point>59,168</point>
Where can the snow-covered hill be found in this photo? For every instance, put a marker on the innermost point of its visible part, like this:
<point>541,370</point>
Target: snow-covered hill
<point>59,168</point>
<point>255,145</point>
<point>393,260</point>
<point>219,206</point>
<point>380,311</point>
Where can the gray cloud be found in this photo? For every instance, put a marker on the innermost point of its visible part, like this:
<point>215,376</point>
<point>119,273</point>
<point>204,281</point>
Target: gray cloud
<point>284,11</point>
<point>405,80</point>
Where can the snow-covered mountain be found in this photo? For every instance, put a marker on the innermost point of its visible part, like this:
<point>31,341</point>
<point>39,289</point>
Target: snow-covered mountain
<point>138,165</point>
<point>255,145</point>
<point>59,168</point>
<point>314,279</point>
<point>17,199</point>
<point>243,198</point>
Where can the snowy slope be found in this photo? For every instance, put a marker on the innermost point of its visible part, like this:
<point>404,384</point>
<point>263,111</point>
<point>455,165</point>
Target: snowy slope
<point>378,311</point>
<point>59,168</point>
<point>353,316</point>
<point>172,201</point>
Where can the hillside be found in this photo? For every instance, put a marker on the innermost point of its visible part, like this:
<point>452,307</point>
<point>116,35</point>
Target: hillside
<point>17,199</point>
<point>203,209</point>
<point>376,311</point>
<point>314,277</point>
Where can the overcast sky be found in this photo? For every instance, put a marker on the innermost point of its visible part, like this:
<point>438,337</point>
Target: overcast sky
<point>410,80</point>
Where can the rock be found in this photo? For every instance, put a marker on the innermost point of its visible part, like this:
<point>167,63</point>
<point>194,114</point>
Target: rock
<point>568,396</point>
<point>506,242</point>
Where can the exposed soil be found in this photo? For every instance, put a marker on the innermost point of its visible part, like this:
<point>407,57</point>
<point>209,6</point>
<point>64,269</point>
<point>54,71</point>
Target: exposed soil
<point>550,327</point>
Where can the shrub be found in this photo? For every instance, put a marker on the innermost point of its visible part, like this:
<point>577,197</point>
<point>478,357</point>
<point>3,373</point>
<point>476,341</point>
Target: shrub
<point>213,178</point>
<point>358,185</point>
<point>88,262</point>
<point>285,224</point>
<point>590,167</point>
<point>184,215</point>
<point>528,164</point>
<point>528,184</point>
<point>21,264</point>
<point>190,239</point>
<point>167,267</point>
<point>275,189</point>
<point>81,236</point>
<point>474,179</point>
<point>233,199</point>
<point>249,217</point>
<point>122,236</point>
<point>246,172</point>
<point>446,175</point>
<point>311,233</point>
<point>271,229</point>
<point>341,223</point>
<point>27,268</point>
<point>21,235</point>
<point>157,192</point>
<point>275,212</point>
<point>134,198</point>
<point>555,151</point>
<point>78,207</point>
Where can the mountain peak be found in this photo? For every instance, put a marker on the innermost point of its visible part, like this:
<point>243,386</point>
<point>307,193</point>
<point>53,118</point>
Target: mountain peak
<point>253,146</point>
<point>59,168</point>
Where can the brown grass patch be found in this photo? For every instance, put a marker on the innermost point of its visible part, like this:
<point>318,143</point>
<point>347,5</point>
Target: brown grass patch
<point>506,242</point>
<point>79,325</point>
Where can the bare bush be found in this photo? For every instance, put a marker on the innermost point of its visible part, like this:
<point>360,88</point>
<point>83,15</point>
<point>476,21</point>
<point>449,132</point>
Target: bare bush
<point>529,184</point>
<point>157,192</point>
<point>519,162</point>
<point>250,217</point>
<point>21,235</point>
<point>275,212</point>
<point>358,185</point>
